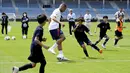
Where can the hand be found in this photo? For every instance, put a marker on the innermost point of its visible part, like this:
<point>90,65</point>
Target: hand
<point>44,39</point>
<point>46,47</point>
<point>63,25</point>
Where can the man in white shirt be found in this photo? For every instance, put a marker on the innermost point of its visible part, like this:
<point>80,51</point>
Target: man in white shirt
<point>87,18</point>
<point>56,32</point>
<point>119,13</point>
<point>71,18</point>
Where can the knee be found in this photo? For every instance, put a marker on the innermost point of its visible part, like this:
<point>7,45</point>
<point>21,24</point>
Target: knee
<point>83,46</point>
<point>33,65</point>
<point>43,63</point>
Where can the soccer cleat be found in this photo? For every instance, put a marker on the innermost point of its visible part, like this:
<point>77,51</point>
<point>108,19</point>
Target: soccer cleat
<point>100,51</point>
<point>103,46</point>
<point>62,59</point>
<point>15,69</point>
<point>52,51</point>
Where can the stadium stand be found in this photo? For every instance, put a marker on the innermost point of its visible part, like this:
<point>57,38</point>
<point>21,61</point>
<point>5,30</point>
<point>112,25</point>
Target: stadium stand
<point>34,7</point>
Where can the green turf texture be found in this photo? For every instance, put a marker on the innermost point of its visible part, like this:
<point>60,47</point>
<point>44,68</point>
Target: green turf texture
<point>113,59</point>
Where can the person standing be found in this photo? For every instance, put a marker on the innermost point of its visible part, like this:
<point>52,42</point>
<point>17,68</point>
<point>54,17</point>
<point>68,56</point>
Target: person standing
<point>4,23</point>
<point>87,18</point>
<point>25,25</point>
<point>120,13</point>
<point>71,18</point>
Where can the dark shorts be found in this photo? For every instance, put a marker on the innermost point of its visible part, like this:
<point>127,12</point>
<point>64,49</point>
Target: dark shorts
<point>56,33</point>
<point>103,36</point>
<point>118,34</point>
<point>82,40</point>
<point>36,54</point>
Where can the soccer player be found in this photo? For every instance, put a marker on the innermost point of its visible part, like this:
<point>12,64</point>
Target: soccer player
<point>118,30</point>
<point>104,26</point>
<point>119,13</point>
<point>4,23</point>
<point>56,32</point>
<point>87,18</point>
<point>71,18</point>
<point>36,54</point>
<point>81,37</point>
<point>25,25</point>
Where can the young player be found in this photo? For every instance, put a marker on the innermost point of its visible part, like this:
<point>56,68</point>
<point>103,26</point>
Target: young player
<point>36,54</point>
<point>4,23</point>
<point>56,32</point>
<point>71,18</point>
<point>87,18</point>
<point>118,30</point>
<point>104,26</point>
<point>120,13</point>
<point>25,25</point>
<point>81,37</point>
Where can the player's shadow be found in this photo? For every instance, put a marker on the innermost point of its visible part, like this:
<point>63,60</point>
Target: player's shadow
<point>124,45</point>
<point>110,50</point>
<point>94,58</point>
<point>69,61</point>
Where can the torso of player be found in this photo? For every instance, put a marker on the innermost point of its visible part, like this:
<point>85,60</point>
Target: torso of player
<point>71,17</point>
<point>38,33</point>
<point>87,18</point>
<point>104,27</point>
<point>54,25</point>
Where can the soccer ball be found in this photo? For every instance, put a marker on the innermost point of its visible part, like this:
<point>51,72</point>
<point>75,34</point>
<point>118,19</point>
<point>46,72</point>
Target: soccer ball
<point>13,38</point>
<point>7,38</point>
<point>24,37</point>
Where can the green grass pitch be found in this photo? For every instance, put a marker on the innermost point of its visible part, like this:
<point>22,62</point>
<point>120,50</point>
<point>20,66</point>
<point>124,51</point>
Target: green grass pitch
<point>113,60</point>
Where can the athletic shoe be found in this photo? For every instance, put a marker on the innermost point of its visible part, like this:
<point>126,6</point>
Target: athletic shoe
<point>103,46</point>
<point>51,51</point>
<point>100,51</point>
<point>15,69</point>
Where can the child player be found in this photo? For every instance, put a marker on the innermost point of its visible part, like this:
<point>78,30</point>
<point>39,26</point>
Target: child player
<point>36,55</point>
<point>118,30</point>
<point>81,37</point>
<point>104,26</point>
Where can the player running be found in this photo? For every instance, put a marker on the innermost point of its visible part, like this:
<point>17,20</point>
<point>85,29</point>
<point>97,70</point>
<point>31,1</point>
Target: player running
<point>104,26</point>
<point>81,37</point>
<point>118,30</point>
<point>56,32</point>
<point>36,54</point>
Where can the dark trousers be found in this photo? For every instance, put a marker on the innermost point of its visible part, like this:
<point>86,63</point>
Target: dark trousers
<point>24,31</point>
<point>71,23</point>
<point>6,30</point>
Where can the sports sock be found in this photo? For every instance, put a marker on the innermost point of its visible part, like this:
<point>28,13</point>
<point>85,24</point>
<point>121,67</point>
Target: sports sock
<point>86,53</point>
<point>54,46</point>
<point>96,42</point>
<point>105,41</point>
<point>95,47</point>
<point>26,66</point>
<point>116,41</point>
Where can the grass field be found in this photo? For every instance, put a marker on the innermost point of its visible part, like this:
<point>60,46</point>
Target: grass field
<point>113,60</point>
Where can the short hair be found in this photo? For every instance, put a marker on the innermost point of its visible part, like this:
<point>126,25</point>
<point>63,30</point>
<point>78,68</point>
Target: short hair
<point>80,19</point>
<point>41,18</point>
<point>63,4</point>
<point>105,17</point>
<point>3,13</point>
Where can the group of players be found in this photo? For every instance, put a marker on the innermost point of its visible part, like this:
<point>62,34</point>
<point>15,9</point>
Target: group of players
<point>79,29</point>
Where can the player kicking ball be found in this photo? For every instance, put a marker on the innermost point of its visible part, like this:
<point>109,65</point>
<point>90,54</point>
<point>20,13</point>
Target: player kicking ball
<point>36,55</point>
<point>104,26</point>
<point>56,32</point>
<point>118,30</point>
<point>81,37</point>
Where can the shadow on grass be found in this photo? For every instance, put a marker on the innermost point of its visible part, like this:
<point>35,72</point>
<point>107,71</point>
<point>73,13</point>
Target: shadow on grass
<point>110,50</point>
<point>124,45</point>
<point>94,58</point>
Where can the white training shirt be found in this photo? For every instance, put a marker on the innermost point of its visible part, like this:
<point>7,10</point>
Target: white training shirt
<point>71,17</point>
<point>87,18</point>
<point>118,13</point>
<point>54,25</point>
